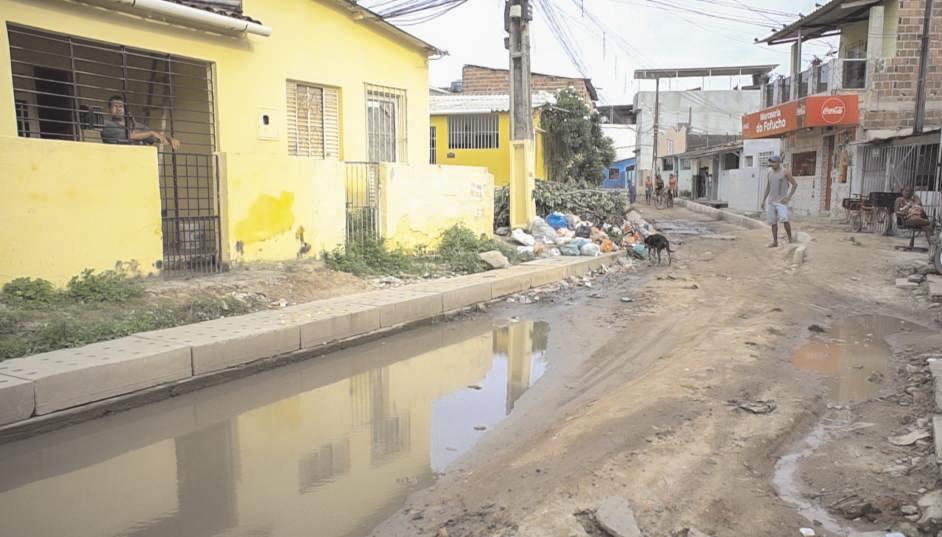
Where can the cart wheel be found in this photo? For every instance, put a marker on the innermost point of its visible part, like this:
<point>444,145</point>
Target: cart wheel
<point>856,221</point>
<point>937,256</point>
<point>886,221</point>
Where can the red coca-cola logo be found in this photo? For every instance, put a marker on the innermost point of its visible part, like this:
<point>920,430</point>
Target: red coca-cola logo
<point>833,111</point>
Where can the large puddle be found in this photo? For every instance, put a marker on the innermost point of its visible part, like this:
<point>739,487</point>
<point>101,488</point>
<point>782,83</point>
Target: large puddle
<point>327,448</point>
<point>854,356</point>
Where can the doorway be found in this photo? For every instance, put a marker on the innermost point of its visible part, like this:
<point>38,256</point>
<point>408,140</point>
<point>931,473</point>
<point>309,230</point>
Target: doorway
<point>55,103</point>
<point>828,170</point>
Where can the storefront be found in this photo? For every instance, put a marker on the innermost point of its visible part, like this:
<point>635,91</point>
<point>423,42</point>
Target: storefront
<point>816,134</point>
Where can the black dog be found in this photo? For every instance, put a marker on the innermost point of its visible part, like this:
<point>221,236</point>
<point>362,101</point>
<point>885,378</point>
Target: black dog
<point>655,244</point>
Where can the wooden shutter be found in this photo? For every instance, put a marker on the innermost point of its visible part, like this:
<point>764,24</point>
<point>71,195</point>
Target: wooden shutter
<point>305,120</point>
<point>331,123</point>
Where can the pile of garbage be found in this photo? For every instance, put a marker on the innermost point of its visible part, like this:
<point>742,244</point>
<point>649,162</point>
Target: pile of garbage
<point>569,235</point>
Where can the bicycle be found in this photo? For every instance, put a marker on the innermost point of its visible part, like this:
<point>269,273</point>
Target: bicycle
<point>661,200</point>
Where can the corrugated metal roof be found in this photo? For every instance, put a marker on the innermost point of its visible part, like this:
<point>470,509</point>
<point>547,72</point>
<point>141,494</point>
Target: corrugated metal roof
<point>446,105</point>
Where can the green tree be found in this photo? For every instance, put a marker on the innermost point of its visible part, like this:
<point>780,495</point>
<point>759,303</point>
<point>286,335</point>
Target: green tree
<point>576,149</point>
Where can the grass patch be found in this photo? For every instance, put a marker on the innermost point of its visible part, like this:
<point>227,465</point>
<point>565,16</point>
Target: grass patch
<point>37,317</point>
<point>372,257</point>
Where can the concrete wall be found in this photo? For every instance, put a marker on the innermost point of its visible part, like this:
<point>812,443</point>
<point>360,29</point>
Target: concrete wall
<point>419,202</point>
<point>68,206</point>
<point>268,193</point>
<point>496,160</point>
<point>743,188</point>
<point>712,112</point>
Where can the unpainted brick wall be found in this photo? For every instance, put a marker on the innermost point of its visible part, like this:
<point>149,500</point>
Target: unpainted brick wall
<point>483,81</point>
<point>893,81</point>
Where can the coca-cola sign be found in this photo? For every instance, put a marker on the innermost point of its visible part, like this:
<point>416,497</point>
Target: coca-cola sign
<point>833,111</point>
<point>813,111</point>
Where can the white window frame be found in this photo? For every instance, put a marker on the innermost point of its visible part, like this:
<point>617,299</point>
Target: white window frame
<point>474,131</point>
<point>386,129</point>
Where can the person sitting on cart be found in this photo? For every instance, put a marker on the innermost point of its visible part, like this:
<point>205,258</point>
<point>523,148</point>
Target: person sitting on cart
<point>911,213</point>
<point>909,208</point>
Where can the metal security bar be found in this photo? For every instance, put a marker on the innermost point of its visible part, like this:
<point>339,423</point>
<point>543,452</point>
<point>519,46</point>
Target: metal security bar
<point>889,168</point>
<point>189,198</point>
<point>386,124</point>
<point>477,131</point>
<point>363,195</point>
<point>70,88</point>
<point>432,142</point>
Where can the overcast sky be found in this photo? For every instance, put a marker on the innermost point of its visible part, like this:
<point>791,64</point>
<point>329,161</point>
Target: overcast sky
<point>637,34</point>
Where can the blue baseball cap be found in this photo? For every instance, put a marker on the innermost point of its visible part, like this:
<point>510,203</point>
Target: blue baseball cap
<point>775,158</point>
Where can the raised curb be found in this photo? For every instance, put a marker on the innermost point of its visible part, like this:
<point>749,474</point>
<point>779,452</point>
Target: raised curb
<point>935,368</point>
<point>38,387</point>
<point>720,214</point>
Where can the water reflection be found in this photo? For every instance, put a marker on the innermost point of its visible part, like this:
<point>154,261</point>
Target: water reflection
<point>856,357</point>
<point>326,448</point>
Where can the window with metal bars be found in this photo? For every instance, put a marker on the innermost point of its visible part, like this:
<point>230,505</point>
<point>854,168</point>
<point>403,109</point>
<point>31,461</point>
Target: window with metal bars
<point>313,120</point>
<point>63,87</point>
<point>386,124</point>
<point>432,142</point>
<point>477,131</point>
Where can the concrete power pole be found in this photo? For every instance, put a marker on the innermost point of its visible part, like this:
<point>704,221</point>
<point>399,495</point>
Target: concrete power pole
<point>920,118</point>
<point>657,126</point>
<point>517,17</point>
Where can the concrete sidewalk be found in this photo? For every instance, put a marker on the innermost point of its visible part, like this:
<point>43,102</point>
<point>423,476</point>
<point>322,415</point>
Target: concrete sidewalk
<point>44,384</point>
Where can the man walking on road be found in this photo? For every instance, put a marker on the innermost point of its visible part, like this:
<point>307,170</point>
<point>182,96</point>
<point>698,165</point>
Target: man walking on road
<point>777,197</point>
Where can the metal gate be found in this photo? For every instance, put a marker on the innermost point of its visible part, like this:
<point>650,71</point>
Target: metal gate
<point>890,167</point>
<point>189,209</point>
<point>362,201</point>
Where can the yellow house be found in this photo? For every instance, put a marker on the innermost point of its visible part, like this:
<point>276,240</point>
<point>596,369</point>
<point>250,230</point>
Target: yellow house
<point>474,130</point>
<point>291,117</point>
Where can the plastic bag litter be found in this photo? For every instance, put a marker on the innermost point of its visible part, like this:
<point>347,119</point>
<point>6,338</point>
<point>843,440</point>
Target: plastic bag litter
<point>542,231</point>
<point>640,250</point>
<point>570,249</point>
<point>523,237</point>
<point>557,220</point>
<point>598,235</point>
<point>526,250</point>
<point>607,246</point>
<point>553,252</point>
<point>590,250</point>
<point>584,231</point>
<point>572,220</point>
<point>539,248</point>
<point>565,233</point>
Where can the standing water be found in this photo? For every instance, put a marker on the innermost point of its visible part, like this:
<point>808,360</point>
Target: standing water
<point>325,448</point>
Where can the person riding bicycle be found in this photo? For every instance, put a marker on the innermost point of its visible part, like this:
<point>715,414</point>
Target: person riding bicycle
<point>658,185</point>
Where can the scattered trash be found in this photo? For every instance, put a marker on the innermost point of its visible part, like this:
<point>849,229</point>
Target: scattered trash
<point>909,439</point>
<point>627,299</point>
<point>475,387</point>
<point>557,221</point>
<point>756,407</point>
<point>523,237</point>
<point>596,295</point>
<point>590,250</point>
<point>495,259</point>
<point>807,532</point>
<point>818,329</point>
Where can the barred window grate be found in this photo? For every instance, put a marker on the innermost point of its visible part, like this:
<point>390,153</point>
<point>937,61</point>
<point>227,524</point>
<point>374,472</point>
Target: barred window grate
<point>313,121</point>
<point>432,142</point>
<point>386,124</point>
<point>477,131</point>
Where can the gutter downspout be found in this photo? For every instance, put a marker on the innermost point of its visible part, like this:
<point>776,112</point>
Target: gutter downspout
<point>200,16</point>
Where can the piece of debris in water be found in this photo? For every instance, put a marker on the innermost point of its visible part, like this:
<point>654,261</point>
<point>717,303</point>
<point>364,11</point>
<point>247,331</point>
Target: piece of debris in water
<point>475,387</point>
<point>480,428</point>
<point>816,328</point>
<point>756,407</point>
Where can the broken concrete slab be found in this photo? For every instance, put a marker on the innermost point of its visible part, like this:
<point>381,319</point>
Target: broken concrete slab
<point>930,505</point>
<point>935,368</point>
<point>72,377</point>
<point>904,283</point>
<point>937,435</point>
<point>17,399</point>
<point>615,516</point>
<point>494,259</point>
<point>935,287</point>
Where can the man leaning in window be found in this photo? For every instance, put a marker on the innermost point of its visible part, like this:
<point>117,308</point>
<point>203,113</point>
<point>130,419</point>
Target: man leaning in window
<point>120,128</point>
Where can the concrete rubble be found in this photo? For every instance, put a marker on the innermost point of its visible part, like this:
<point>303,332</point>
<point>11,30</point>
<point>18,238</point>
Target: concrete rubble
<point>616,517</point>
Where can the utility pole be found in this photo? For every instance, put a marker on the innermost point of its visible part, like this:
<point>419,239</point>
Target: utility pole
<point>657,117</point>
<point>920,119</point>
<point>517,17</point>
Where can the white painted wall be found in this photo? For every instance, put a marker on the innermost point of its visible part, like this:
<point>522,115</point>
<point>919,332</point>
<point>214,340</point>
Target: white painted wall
<point>710,112</point>
<point>743,188</point>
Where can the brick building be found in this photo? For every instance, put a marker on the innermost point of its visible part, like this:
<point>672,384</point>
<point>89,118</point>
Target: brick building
<point>479,80</point>
<point>847,125</point>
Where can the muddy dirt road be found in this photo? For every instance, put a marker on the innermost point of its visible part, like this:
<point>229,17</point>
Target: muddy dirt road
<point>697,402</point>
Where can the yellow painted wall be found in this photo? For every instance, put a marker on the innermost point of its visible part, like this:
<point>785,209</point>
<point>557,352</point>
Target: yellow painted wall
<point>250,78</point>
<point>419,202</point>
<point>67,206</point>
<point>497,161</point>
